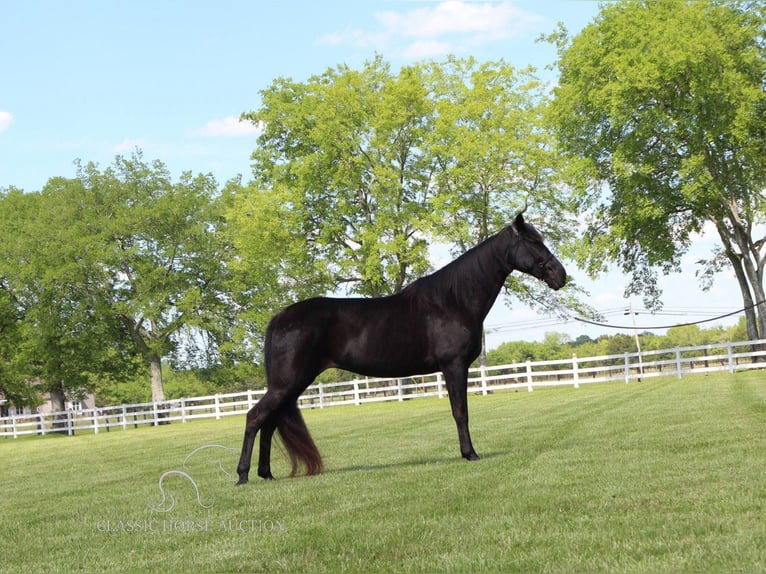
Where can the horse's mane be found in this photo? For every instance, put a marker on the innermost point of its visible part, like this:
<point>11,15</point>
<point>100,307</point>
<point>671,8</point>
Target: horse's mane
<point>463,277</point>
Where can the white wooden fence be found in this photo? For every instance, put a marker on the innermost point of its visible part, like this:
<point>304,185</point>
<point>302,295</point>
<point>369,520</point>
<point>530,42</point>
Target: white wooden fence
<point>576,371</point>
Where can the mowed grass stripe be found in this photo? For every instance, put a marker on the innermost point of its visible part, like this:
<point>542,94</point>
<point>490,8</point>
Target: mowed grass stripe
<point>663,475</point>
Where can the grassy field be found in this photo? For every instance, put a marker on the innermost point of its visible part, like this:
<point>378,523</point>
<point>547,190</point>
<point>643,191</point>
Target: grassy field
<point>659,476</point>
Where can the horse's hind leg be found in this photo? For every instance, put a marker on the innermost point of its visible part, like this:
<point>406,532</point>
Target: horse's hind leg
<point>264,455</point>
<point>251,429</point>
<point>257,418</point>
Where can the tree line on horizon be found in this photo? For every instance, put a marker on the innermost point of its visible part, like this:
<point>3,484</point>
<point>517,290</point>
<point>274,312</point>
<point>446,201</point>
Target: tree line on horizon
<point>121,275</point>
<point>561,346</point>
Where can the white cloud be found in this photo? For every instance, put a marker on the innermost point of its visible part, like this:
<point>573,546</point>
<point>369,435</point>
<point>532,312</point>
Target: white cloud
<point>455,17</point>
<point>128,144</point>
<point>447,27</point>
<point>422,49</point>
<point>227,127</point>
<point>5,120</point>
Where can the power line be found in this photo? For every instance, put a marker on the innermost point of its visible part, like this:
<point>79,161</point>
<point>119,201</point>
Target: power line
<point>716,318</point>
<point>536,322</point>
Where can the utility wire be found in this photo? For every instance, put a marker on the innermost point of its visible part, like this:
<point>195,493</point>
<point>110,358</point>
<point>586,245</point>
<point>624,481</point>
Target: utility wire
<point>596,323</point>
<point>536,322</point>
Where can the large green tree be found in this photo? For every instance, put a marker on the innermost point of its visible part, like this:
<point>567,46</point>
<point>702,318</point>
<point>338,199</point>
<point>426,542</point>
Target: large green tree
<point>495,158</point>
<point>663,105</point>
<point>14,376</point>
<point>344,151</point>
<point>116,263</point>
<point>273,265</point>
<point>164,265</point>
<point>54,340</point>
<point>364,168</point>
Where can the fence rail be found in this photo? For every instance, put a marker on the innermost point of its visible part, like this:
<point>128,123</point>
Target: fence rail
<point>574,372</point>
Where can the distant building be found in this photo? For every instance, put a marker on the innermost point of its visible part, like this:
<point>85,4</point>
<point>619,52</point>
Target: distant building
<point>7,409</point>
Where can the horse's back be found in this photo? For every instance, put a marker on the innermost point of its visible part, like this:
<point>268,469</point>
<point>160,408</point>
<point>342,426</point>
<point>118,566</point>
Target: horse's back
<point>383,336</point>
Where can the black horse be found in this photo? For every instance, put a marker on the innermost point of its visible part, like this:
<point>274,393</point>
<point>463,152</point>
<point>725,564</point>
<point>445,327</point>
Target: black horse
<point>433,324</point>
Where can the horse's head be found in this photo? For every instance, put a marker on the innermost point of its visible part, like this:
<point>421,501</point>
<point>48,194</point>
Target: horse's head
<point>530,255</point>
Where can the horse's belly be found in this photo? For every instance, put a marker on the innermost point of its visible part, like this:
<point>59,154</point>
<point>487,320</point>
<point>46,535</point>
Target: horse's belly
<point>390,354</point>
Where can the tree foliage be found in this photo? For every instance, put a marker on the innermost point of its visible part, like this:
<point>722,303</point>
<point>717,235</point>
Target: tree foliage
<point>663,104</point>
<point>344,153</point>
<point>114,265</point>
<point>557,346</point>
<point>494,158</point>
<point>368,167</point>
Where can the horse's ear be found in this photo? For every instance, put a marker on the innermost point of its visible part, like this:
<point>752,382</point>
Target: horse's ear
<point>518,223</point>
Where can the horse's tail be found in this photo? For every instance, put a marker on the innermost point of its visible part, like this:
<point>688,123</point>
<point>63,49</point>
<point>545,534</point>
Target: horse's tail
<point>297,440</point>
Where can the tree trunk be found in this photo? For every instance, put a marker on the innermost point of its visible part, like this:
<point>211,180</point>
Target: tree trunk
<point>155,371</point>
<point>751,321</point>
<point>137,334</point>
<point>58,398</point>
<point>58,405</point>
<point>748,268</point>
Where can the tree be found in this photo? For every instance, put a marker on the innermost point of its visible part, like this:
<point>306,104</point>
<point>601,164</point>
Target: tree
<point>495,158</point>
<point>114,264</point>
<point>271,265</point>
<point>686,336</point>
<point>55,343</point>
<point>492,154</point>
<point>14,386</point>
<point>663,105</point>
<point>364,168</point>
<point>163,265</point>
<point>344,153</point>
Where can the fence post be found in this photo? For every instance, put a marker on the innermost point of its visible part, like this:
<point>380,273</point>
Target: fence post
<point>627,368</point>
<point>217,401</point>
<point>730,354</point>
<point>439,386</point>
<point>321,395</point>
<point>357,402</point>
<point>95,421</point>
<point>575,372</point>
<point>529,376</point>
<point>124,417</point>
<point>679,370</point>
<point>183,410</point>
<point>13,426</point>
<point>399,390</point>
<point>69,423</point>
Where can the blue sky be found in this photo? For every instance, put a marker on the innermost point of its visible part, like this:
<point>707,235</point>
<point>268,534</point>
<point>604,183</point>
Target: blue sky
<point>92,79</point>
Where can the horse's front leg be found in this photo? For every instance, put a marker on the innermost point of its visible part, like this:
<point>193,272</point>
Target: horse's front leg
<point>456,379</point>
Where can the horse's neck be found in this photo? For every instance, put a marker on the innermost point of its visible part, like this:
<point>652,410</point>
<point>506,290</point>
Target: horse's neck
<point>486,266</point>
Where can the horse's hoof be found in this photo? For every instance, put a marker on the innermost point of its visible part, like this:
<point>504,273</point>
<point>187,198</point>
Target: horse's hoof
<point>266,476</point>
<point>471,456</point>
<point>242,480</point>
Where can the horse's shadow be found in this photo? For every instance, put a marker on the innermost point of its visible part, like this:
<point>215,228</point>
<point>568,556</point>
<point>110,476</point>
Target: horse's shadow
<point>414,463</point>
